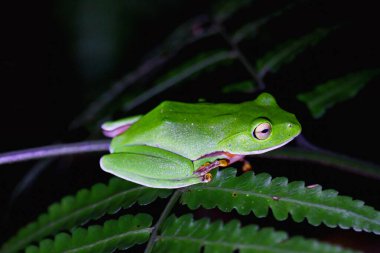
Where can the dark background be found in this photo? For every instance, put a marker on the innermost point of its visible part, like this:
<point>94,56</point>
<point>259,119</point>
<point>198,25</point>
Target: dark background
<point>57,58</point>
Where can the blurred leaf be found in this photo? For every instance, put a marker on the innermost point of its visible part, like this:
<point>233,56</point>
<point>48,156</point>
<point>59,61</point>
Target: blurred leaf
<point>201,62</point>
<point>245,87</point>
<point>194,66</point>
<point>186,33</point>
<point>250,29</point>
<point>120,234</point>
<point>286,52</point>
<point>328,94</point>
<point>185,235</point>
<point>257,193</point>
<point>109,99</point>
<point>76,210</point>
<point>225,9</point>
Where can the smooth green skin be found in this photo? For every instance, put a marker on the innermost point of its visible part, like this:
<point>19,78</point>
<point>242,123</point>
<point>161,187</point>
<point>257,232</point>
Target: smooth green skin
<point>164,148</point>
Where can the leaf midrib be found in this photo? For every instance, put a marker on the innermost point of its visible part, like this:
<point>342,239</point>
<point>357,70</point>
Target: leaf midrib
<point>203,241</point>
<point>118,236</point>
<point>335,209</point>
<point>32,236</point>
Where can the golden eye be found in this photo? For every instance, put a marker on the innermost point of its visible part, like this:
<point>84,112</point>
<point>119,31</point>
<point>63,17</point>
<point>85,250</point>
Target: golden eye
<point>262,131</point>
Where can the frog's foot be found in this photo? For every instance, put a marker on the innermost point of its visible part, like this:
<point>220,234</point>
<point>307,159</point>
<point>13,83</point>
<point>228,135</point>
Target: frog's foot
<point>207,167</point>
<point>240,158</point>
<point>115,128</point>
<point>207,178</point>
<point>246,166</point>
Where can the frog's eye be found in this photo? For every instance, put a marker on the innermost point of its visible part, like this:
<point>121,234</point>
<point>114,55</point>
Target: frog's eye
<point>262,131</point>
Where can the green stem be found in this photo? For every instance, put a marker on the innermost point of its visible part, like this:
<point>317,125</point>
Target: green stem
<point>168,208</point>
<point>306,152</point>
<point>328,159</point>
<point>244,61</point>
<point>54,150</point>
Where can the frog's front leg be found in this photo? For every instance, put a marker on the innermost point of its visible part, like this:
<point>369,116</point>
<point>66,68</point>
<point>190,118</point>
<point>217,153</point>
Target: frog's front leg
<point>240,158</point>
<point>152,167</point>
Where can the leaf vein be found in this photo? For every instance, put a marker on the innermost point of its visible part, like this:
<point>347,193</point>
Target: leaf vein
<point>325,207</point>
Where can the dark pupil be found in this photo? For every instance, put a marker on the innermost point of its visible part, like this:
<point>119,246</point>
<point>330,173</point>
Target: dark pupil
<point>265,131</point>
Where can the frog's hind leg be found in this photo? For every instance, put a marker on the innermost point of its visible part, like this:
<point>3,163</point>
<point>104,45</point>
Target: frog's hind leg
<point>115,128</point>
<point>207,167</point>
<point>151,166</point>
<point>222,159</point>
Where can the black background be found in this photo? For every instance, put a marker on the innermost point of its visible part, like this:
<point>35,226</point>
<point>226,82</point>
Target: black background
<point>43,89</point>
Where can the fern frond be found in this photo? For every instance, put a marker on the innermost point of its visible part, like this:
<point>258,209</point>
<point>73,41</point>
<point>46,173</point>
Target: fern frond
<point>286,52</point>
<point>225,9</point>
<point>121,234</point>
<point>247,86</point>
<point>258,193</point>
<point>188,69</point>
<point>185,235</point>
<point>75,210</point>
<point>251,29</point>
<point>337,90</point>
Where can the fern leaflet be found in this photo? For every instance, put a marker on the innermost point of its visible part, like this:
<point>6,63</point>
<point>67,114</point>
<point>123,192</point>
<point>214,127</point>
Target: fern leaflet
<point>337,90</point>
<point>287,51</point>
<point>258,193</point>
<point>185,235</point>
<point>85,205</point>
<point>123,233</point>
<point>192,67</point>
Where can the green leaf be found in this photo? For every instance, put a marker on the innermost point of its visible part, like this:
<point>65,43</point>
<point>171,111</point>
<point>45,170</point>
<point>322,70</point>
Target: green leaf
<point>245,87</point>
<point>120,234</point>
<point>225,9</point>
<point>250,29</point>
<point>257,193</point>
<point>86,205</point>
<point>247,30</point>
<point>286,52</point>
<point>185,235</point>
<point>188,32</point>
<point>328,94</point>
<point>188,69</point>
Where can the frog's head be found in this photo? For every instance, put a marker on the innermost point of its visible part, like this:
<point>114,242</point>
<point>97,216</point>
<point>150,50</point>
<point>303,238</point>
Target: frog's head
<point>265,126</point>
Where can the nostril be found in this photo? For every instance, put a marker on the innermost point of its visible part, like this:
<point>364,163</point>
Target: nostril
<point>290,125</point>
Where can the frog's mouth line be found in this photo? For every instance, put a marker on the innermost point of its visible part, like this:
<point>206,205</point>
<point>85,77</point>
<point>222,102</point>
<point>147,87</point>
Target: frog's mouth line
<point>257,152</point>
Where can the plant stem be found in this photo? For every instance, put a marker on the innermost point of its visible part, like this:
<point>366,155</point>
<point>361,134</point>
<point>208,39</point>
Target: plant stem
<point>54,150</point>
<point>241,57</point>
<point>168,208</point>
<point>302,142</point>
<point>326,158</point>
<point>305,152</point>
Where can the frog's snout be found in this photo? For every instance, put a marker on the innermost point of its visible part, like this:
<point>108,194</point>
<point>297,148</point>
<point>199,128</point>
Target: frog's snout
<point>293,128</point>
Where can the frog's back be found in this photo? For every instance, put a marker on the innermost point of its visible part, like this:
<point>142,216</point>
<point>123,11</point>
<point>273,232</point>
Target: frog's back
<point>190,130</point>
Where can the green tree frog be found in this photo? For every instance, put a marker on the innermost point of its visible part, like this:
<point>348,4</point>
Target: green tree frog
<point>178,144</point>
